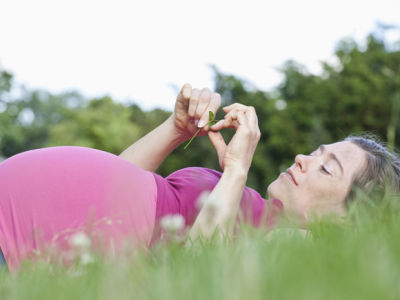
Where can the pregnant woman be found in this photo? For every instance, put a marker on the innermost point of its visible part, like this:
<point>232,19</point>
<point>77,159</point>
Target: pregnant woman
<point>47,195</point>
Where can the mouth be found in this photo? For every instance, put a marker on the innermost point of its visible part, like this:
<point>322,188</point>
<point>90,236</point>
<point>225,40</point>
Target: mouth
<point>291,175</point>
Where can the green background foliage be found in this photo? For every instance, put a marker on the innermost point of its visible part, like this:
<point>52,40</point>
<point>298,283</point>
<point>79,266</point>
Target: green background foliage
<point>359,92</point>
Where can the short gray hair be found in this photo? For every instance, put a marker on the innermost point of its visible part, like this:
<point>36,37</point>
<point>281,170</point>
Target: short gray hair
<point>382,169</point>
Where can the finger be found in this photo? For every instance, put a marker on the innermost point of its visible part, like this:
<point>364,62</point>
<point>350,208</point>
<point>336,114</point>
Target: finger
<point>242,118</point>
<point>252,116</point>
<point>218,126</point>
<point>221,124</point>
<point>229,121</point>
<point>193,102</point>
<point>253,123</point>
<point>227,108</point>
<point>248,128</point>
<point>217,140</point>
<point>215,103</point>
<point>219,144</point>
<point>243,129</point>
<point>248,110</point>
<point>234,106</point>
<point>186,91</point>
<point>184,94</point>
<point>216,100</point>
<point>204,102</point>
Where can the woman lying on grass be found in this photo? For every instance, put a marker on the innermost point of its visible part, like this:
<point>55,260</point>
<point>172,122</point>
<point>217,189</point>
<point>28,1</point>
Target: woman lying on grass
<point>47,195</point>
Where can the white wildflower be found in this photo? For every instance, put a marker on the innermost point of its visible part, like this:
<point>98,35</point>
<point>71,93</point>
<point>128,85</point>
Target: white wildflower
<point>202,199</point>
<point>80,240</point>
<point>172,222</point>
<point>280,104</point>
<point>86,258</point>
<point>210,203</point>
<point>75,272</point>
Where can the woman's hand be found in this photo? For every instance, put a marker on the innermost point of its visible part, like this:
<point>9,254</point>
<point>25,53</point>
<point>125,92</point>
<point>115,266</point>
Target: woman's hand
<point>235,159</point>
<point>192,108</point>
<point>191,111</point>
<point>238,154</point>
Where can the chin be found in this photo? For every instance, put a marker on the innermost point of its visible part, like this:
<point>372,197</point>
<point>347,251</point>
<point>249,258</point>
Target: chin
<point>272,190</point>
<point>279,190</point>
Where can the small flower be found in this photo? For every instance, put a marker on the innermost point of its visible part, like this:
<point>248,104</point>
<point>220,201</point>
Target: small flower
<point>86,258</point>
<point>172,222</point>
<point>208,202</point>
<point>280,104</point>
<point>80,240</point>
<point>202,199</point>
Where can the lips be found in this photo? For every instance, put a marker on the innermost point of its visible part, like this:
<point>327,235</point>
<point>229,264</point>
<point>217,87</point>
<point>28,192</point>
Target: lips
<point>290,173</point>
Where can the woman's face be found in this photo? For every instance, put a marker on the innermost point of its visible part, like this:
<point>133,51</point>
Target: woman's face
<point>319,182</point>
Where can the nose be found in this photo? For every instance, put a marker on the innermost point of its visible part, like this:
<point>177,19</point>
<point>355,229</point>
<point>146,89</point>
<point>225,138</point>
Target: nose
<point>301,162</point>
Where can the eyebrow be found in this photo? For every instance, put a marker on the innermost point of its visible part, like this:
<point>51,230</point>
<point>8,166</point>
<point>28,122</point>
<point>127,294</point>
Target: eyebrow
<point>333,156</point>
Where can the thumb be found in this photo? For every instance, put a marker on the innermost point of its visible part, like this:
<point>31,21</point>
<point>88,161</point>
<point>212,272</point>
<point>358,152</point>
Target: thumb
<point>219,144</point>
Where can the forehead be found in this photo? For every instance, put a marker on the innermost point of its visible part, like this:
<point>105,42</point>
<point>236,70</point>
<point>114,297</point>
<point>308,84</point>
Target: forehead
<point>352,157</point>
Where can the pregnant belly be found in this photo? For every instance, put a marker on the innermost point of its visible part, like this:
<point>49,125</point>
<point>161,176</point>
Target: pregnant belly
<point>48,194</point>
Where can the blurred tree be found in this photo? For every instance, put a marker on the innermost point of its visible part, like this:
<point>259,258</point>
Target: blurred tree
<point>26,120</point>
<point>5,83</point>
<point>102,124</point>
<point>359,92</point>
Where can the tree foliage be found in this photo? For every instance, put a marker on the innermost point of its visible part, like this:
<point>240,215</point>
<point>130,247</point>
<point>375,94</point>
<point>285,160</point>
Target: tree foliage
<point>359,92</point>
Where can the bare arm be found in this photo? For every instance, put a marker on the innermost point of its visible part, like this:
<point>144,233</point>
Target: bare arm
<point>151,150</point>
<point>191,109</point>
<point>222,206</point>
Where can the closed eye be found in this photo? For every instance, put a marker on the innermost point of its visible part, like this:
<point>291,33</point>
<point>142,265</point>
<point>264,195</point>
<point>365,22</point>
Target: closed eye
<point>324,170</point>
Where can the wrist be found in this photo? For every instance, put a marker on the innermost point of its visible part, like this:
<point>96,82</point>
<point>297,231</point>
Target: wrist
<point>236,172</point>
<point>176,135</point>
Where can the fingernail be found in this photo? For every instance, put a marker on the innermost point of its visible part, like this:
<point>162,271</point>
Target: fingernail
<point>201,123</point>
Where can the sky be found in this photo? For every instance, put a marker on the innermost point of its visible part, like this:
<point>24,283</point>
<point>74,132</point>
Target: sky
<point>143,51</point>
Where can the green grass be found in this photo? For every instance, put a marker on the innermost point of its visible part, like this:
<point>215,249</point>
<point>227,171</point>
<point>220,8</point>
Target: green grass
<point>355,259</point>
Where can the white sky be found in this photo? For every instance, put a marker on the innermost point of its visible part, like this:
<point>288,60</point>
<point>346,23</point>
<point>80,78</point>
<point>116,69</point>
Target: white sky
<point>139,49</point>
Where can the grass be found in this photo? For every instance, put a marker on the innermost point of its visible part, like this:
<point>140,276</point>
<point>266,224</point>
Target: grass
<point>355,259</point>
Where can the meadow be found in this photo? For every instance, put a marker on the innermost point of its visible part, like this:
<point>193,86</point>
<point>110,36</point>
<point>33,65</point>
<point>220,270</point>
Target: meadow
<point>358,258</point>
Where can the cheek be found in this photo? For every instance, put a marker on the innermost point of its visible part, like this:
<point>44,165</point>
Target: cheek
<point>321,194</point>
<point>316,193</point>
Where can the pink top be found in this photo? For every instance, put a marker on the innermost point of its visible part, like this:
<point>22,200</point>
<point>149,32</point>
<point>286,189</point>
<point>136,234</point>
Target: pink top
<point>178,194</point>
<point>48,194</point>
